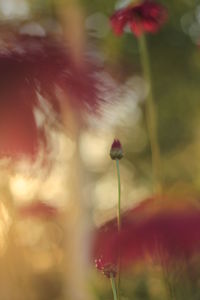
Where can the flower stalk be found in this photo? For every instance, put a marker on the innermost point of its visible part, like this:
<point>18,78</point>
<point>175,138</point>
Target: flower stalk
<point>114,290</point>
<point>151,116</point>
<point>119,195</point>
<point>116,153</point>
<point>119,225</point>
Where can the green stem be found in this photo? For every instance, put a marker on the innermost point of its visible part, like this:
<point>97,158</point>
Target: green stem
<point>113,285</point>
<point>119,224</point>
<point>119,196</point>
<point>151,116</point>
<point>168,283</point>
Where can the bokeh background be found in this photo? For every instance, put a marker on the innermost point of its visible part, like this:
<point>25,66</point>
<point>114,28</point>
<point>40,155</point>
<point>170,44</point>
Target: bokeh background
<point>52,203</point>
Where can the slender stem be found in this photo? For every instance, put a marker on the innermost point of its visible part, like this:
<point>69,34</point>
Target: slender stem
<point>113,285</point>
<point>119,196</point>
<point>151,116</point>
<point>119,225</point>
<point>168,283</point>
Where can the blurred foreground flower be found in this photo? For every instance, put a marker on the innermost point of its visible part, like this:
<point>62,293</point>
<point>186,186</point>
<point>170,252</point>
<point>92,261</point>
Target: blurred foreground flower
<point>32,66</point>
<point>39,210</point>
<point>106,243</point>
<point>152,230</point>
<point>147,16</point>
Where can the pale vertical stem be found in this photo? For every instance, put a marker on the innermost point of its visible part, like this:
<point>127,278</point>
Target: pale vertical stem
<point>167,281</point>
<point>114,290</point>
<point>77,222</point>
<point>119,225</point>
<point>71,16</point>
<point>151,118</point>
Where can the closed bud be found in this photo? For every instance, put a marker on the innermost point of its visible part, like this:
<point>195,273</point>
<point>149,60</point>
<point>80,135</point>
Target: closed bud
<point>116,151</point>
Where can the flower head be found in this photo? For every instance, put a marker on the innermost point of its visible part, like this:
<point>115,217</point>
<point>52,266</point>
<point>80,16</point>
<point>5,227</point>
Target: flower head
<point>32,66</point>
<point>164,232</point>
<point>116,151</point>
<point>108,269</point>
<point>147,16</point>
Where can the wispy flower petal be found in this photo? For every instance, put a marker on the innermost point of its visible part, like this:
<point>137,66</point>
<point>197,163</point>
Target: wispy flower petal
<point>147,16</point>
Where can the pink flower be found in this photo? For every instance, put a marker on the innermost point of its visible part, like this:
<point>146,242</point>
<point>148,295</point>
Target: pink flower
<point>116,151</point>
<point>147,16</point>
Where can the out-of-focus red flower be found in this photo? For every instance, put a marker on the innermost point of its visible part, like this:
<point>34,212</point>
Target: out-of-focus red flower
<point>41,63</point>
<point>29,65</point>
<point>105,246</point>
<point>147,16</point>
<point>158,231</point>
<point>39,210</point>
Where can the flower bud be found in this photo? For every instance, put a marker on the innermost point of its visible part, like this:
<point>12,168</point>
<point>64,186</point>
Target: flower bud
<point>116,151</point>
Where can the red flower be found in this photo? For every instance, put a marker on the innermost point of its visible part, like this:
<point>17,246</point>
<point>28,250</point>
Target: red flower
<point>29,65</point>
<point>163,236</point>
<point>147,16</point>
<point>161,231</point>
<point>106,249</point>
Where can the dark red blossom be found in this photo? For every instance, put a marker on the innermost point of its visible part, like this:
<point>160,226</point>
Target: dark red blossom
<point>39,209</point>
<point>161,231</point>
<point>116,151</point>
<point>147,16</point>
